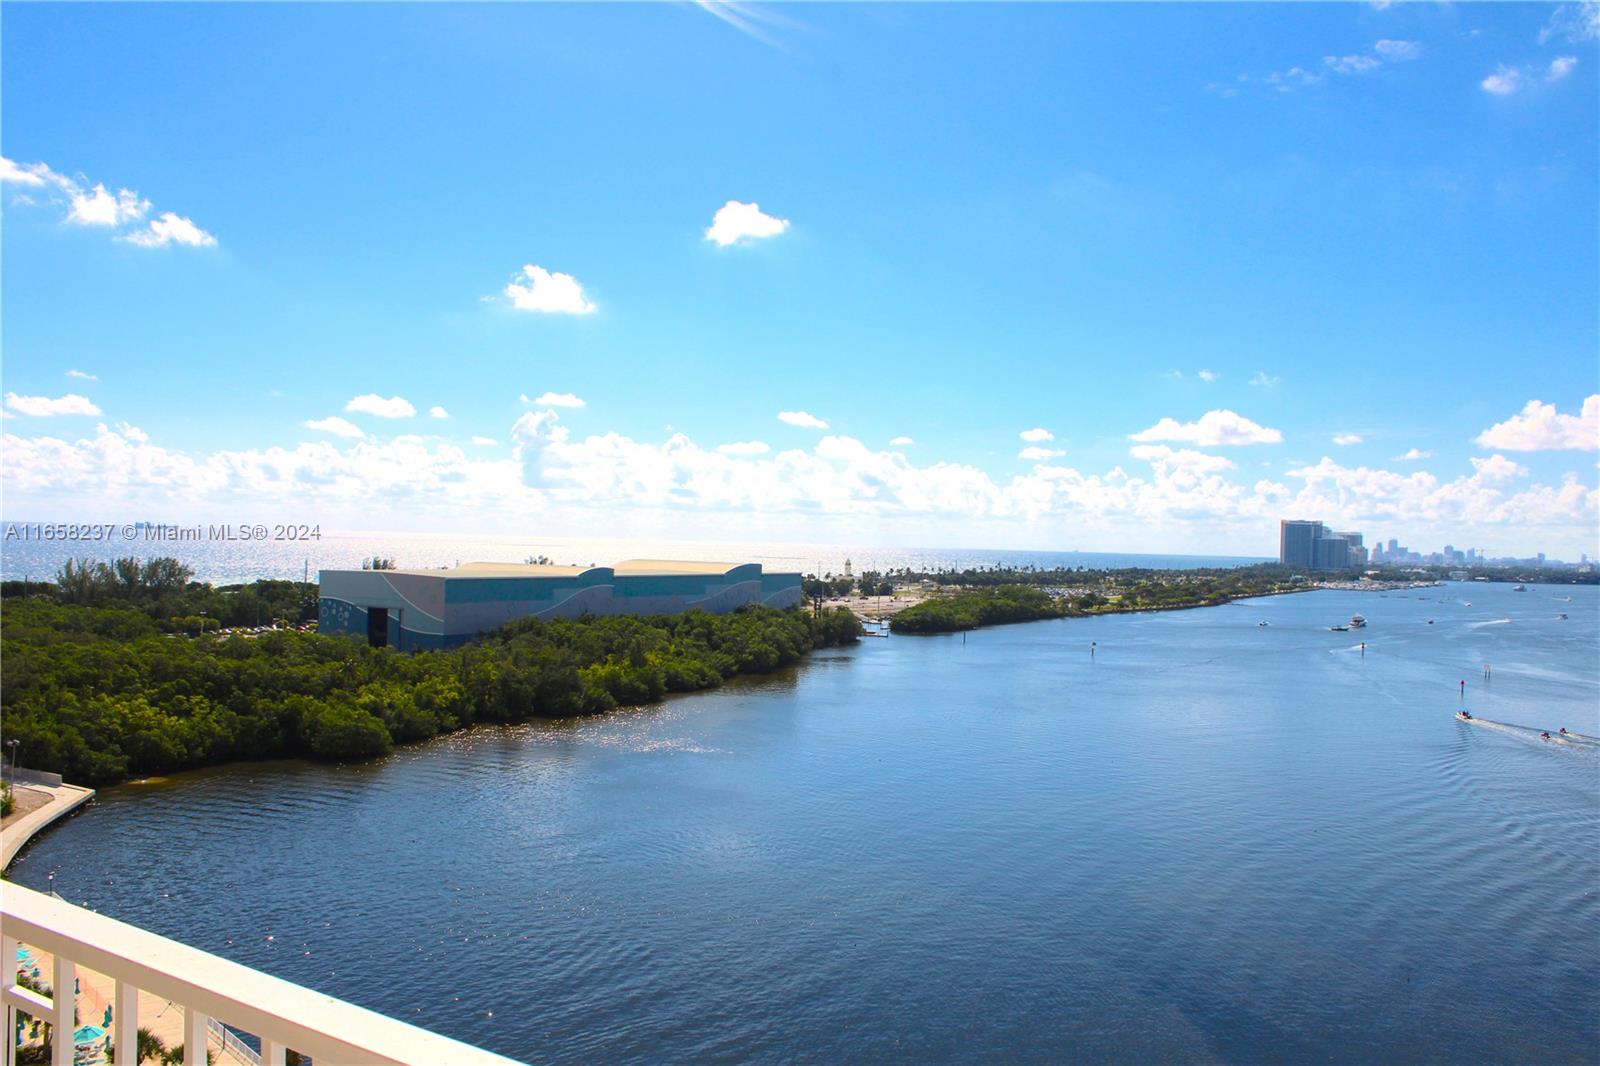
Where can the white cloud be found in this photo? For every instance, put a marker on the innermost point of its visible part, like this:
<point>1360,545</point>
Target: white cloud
<point>901,442</point>
<point>438,412</point>
<point>1184,495</point>
<point>1265,380</point>
<point>736,222</point>
<point>1208,375</point>
<point>537,428</point>
<point>1185,459</point>
<point>1397,51</point>
<point>1560,67</point>
<point>1539,427</point>
<point>744,447</point>
<point>1036,436</point>
<point>44,406</point>
<point>169,229</point>
<point>1503,82</point>
<point>133,433</point>
<point>1574,23</point>
<point>803,419</point>
<point>97,207</point>
<point>486,441</point>
<point>1294,78</point>
<point>537,289</point>
<point>557,399</point>
<point>1037,453</point>
<point>333,424</point>
<point>1497,468</point>
<point>75,373</point>
<point>373,404</point>
<point>1346,439</point>
<point>33,175</point>
<point>1351,64</point>
<point>1214,428</point>
<point>1412,455</point>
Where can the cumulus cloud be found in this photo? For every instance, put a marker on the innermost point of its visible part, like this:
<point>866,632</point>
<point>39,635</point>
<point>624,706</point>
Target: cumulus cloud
<point>1497,468</point>
<point>76,373</point>
<point>336,426</point>
<point>373,404</point>
<point>1346,439</point>
<point>169,229</point>
<point>36,175</point>
<point>438,412</point>
<point>1539,427</point>
<point>735,222</point>
<point>45,406</point>
<point>803,419</point>
<point>1037,453</point>
<point>744,447</point>
<point>612,474</point>
<point>96,205</point>
<point>557,399</point>
<point>1560,67</point>
<point>538,289</point>
<point>1208,375</point>
<point>901,442</point>
<point>1036,436</point>
<point>486,441</point>
<point>1214,428</point>
<point>1396,51</point>
<point>1503,82</point>
<point>538,428</point>
<point>1354,64</point>
<point>1412,455</point>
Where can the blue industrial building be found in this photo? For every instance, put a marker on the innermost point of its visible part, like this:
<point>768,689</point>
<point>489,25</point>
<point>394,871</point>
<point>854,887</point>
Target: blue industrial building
<point>417,609</point>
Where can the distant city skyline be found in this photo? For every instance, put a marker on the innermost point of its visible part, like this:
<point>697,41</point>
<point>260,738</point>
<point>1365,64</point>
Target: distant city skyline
<point>1012,277</point>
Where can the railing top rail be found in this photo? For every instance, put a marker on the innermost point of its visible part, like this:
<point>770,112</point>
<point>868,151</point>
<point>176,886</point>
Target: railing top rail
<point>328,1029</point>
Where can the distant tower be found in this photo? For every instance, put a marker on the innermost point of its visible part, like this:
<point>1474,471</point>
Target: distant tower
<point>847,568</point>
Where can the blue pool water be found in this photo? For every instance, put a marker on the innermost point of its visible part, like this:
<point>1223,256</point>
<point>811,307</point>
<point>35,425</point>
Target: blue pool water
<point>1211,841</point>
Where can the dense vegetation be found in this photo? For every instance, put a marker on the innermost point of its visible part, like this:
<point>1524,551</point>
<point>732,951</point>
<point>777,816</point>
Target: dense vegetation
<point>106,690</point>
<point>980,607</point>
<point>1067,593</point>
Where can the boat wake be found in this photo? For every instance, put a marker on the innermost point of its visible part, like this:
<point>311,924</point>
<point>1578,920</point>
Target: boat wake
<point>1495,622</point>
<point>1532,736</point>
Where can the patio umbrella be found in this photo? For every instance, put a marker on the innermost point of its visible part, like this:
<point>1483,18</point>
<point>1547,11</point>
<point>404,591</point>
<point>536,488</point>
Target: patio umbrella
<point>87,1034</point>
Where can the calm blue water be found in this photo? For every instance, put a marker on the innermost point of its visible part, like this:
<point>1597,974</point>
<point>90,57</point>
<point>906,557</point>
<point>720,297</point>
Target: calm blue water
<point>1213,841</point>
<point>230,561</point>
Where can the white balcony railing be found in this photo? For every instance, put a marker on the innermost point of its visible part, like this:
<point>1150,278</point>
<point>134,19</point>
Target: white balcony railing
<point>282,1015</point>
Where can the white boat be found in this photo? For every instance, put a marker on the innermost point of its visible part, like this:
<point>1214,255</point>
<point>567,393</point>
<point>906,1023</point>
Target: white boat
<point>1357,622</point>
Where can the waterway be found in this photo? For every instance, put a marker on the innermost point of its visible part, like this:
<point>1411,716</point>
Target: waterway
<point>1210,840</point>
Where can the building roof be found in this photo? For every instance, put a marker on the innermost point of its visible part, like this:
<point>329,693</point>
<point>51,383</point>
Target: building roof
<point>658,567</point>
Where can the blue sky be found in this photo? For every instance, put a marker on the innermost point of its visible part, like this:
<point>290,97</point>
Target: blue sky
<point>1273,226</point>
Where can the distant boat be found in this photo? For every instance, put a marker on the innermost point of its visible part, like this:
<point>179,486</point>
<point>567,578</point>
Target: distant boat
<point>1467,604</point>
<point>1339,629</point>
<point>1430,621</point>
<point>1261,623</point>
<point>1561,616</point>
<point>1519,588</point>
<point>1357,622</point>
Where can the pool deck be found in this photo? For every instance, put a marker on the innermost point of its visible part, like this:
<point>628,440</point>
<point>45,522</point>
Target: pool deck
<point>63,800</point>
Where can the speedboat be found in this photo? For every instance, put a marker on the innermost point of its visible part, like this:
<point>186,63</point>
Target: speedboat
<point>1261,623</point>
<point>1339,629</point>
<point>1561,616</point>
<point>1430,621</point>
<point>1519,588</point>
<point>1357,622</point>
<point>1464,716</point>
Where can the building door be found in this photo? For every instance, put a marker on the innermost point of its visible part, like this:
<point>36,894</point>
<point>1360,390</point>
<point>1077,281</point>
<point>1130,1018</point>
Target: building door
<point>378,626</point>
